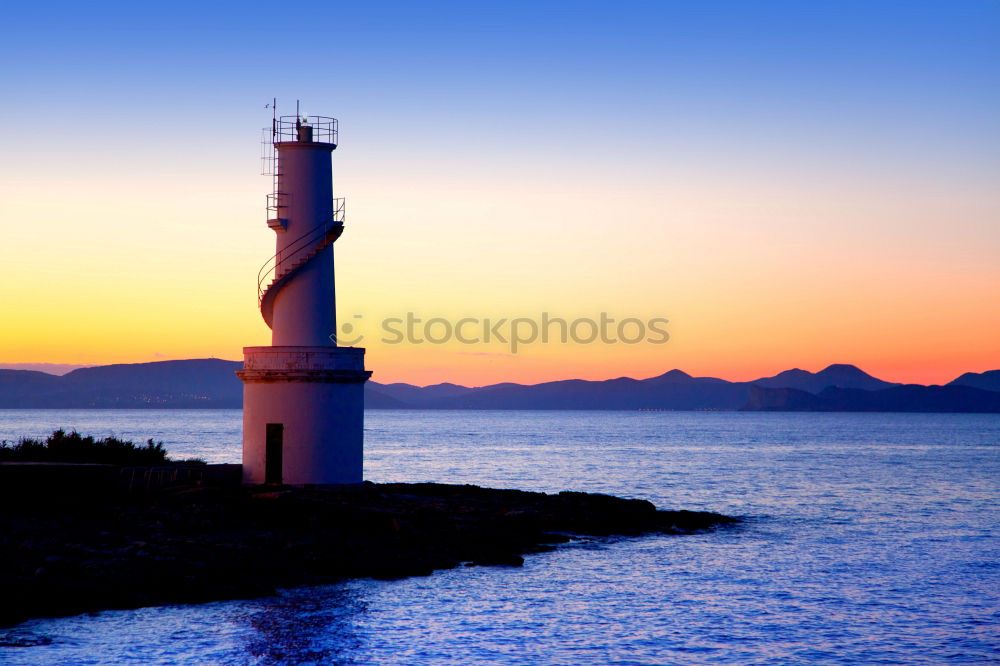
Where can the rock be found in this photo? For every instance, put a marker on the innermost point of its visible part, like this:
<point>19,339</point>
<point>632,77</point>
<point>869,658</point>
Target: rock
<point>499,560</point>
<point>188,545</point>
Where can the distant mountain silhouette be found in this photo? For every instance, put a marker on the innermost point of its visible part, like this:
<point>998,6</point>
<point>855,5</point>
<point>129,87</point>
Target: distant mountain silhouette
<point>212,383</point>
<point>192,383</point>
<point>672,390</point>
<point>988,381</point>
<point>375,399</point>
<point>414,396</point>
<point>622,393</point>
<point>47,368</point>
<point>839,375</point>
<point>904,398</point>
<point>781,400</point>
<point>24,388</point>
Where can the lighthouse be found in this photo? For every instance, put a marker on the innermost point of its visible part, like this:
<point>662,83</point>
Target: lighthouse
<point>303,397</point>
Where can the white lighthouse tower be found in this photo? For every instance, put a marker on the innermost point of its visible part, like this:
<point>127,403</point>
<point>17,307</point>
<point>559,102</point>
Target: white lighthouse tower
<point>303,397</point>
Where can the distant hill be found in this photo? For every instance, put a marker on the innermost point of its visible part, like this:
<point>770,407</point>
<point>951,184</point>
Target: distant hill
<point>24,388</point>
<point>207,383</point>
<point>839,375</point>
<point>673,390</point>
<point>48,368</point>
<point>212,383</point>
<point>781,400</point>
<point>375,399</point>
<point>905,398</point>
<point>193,383</point>
<point>415,396</point>
<point>988,381</point>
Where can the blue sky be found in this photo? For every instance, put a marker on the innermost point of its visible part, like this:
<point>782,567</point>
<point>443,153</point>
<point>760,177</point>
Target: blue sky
<point>793,61</point>
<point>656,156</point>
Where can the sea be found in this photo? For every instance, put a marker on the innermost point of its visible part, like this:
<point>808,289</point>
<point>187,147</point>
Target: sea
<point>867,539</point>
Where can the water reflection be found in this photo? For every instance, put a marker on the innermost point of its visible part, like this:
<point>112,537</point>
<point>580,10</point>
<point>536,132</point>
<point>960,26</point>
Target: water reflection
<point>302,626</point>
<point>873,539</point>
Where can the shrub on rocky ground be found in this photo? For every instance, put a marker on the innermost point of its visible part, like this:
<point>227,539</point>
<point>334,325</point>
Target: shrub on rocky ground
<point>73,447</point>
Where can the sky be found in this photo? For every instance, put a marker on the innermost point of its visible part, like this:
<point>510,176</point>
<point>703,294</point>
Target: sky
<point>789,184</point>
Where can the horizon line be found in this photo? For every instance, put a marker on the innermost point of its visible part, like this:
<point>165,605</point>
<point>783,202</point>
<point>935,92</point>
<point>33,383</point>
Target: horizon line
<point>70,367</point>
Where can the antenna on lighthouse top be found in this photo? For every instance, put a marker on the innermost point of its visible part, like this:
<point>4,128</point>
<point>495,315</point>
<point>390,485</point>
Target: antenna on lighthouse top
<point>274,119</point>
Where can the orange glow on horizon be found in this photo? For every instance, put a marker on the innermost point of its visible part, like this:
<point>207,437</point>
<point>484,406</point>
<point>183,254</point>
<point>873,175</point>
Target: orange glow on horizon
<point>757,272</point>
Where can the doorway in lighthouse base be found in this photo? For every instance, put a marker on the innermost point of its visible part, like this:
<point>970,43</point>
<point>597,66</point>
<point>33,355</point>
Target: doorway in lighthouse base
<point>273,444</point>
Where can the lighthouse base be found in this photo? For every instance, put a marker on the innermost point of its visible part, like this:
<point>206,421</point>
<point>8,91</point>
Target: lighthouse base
<point>303,414</point>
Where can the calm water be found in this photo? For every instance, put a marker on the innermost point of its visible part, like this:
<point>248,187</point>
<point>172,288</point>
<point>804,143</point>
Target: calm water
<point>871,538</point>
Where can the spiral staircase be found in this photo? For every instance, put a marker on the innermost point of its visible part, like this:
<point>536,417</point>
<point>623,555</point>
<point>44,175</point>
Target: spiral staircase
<point>282,268</point>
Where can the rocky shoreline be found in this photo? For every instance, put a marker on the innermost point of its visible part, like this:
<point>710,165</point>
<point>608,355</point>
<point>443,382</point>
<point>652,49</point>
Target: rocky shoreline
<point>76,552</point>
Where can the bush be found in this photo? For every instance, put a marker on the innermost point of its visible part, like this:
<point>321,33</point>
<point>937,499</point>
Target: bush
<point>75,448</point>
